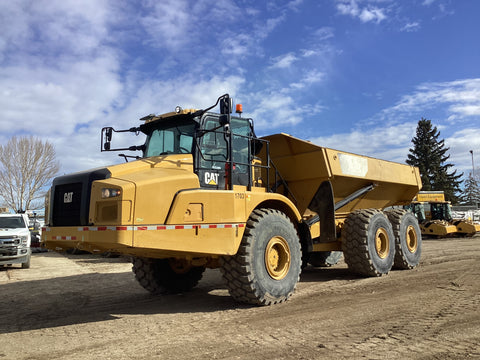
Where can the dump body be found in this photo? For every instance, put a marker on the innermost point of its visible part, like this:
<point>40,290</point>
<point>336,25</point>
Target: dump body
<point>305,166</point>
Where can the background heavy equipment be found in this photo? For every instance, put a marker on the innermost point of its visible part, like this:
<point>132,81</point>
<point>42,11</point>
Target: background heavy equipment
<point>208,193</point>
<point>435,216</point>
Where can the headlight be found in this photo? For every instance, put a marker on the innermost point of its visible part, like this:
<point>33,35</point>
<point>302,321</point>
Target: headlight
<point>24,239</point>
<point>109,193</point>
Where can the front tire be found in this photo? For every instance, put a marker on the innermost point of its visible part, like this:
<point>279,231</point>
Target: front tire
<point>267,265</point>
<point>26,264</point>
<point>166,276</point>
<point>369,242</point>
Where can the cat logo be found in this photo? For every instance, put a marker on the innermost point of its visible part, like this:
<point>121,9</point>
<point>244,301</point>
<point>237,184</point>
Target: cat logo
<point>211,178</point>
<point>67,197</point>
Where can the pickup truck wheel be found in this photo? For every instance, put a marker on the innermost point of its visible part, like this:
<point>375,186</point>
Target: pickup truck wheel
<point>267,265</point>
<point>26,264</point>
<point>408,239</point>
<point>166,276</point>
<point>324,258</point>
<point>368,242</point>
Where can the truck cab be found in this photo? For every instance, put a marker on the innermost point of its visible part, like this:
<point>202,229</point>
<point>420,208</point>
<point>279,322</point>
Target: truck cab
<point>14,240</point>
<point>216,144</point>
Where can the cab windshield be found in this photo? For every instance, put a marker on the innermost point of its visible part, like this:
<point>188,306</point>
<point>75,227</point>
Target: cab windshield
<point>169,138</point>
<point>441,211</point>
<point>11,222</point>
<point>418,210</point>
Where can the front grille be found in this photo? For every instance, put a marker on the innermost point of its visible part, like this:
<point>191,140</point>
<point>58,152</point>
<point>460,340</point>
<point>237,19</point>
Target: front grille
<point>9,245</point>
<point>67,203</point>
<point>9,241</point>
<point>70,197</point>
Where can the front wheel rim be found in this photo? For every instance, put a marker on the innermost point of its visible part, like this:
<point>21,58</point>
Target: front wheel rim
<point>277,258</point>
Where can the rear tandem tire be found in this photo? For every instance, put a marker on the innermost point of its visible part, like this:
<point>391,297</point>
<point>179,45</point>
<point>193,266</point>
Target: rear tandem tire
<point>408,239</point>
<point>267,265</point>
<point>166,276</point>
<point>369,243</point>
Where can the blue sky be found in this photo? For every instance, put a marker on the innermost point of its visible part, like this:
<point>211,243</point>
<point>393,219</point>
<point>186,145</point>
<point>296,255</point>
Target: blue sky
<point>355,75</point>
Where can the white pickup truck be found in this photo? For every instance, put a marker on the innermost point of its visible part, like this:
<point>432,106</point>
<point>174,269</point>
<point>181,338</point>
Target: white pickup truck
<point>14,240</point>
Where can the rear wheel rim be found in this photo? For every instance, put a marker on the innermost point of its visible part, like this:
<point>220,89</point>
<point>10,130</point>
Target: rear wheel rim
<point>412,239</point>
<point>277,258</point>
<point>382,244</point>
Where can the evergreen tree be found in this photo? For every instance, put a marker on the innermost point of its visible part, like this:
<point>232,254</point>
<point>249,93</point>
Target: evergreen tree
<point>471,193</point>
<point>429,154</point>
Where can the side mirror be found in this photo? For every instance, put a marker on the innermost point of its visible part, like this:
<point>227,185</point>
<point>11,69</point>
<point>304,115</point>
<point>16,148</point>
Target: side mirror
<point>108,134</point>
<point>226,105</point>
<point>106,138</point>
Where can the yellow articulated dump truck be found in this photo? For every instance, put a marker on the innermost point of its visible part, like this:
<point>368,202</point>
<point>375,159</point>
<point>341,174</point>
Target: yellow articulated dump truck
<point>435,216</point>
<point>206,192</point>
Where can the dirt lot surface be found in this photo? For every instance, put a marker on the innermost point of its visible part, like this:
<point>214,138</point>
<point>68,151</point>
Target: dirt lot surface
<point>88,307</point>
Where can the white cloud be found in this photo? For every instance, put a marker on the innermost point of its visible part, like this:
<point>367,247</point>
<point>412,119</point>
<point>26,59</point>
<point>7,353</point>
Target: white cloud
<point>460,144</point>
<point>461,99</point>
<point>241,43</point>
<point>284,61</point>
<point>57,70</point>
<point>168,23</point>
<point>309,78</point>
<point>53,27</point>
<point>466,110</point>
<point>275,109</point>
<point>364,14</point>
<point>47,100</point>
<point>324,33</point>
<point>372,14</point>
<point>411,27</point>
<point>294,4</point>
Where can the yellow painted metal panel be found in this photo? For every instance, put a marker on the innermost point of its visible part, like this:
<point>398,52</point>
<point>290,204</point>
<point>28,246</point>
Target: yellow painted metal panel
<point>196,241</point>
<point>123,203</point>
<point>102,238</point>
<point>176,161</point>
<point>213,239</point>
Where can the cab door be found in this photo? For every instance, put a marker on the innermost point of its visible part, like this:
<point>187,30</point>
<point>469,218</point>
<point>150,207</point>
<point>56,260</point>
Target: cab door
<point>212,155</point>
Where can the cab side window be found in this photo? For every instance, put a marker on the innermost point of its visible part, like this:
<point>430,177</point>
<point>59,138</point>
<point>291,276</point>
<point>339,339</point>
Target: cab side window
<point>213,145</point>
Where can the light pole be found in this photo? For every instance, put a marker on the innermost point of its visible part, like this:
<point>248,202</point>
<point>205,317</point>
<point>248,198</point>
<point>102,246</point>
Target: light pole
<point>473,165</point>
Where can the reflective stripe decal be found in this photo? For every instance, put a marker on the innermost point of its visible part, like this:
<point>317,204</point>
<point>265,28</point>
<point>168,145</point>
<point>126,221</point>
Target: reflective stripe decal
<point>64,238</point>
<point>146,228</point>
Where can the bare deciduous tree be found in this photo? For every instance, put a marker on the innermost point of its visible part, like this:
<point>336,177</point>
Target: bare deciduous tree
<point>27,164</point>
